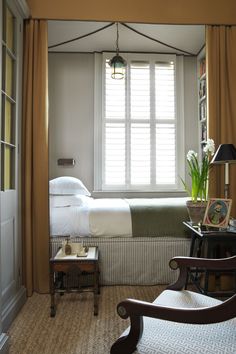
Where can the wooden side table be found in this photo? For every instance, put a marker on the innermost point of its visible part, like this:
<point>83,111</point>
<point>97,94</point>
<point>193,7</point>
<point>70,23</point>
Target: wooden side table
<point>211,238</point>
<point>64,269</point>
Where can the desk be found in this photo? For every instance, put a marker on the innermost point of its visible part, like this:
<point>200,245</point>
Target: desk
<point>63,268</point>
<point>210,243</point>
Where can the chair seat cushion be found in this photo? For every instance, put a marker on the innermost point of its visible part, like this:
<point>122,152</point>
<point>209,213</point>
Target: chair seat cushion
<point>185,299</point>
<point>165,337</point>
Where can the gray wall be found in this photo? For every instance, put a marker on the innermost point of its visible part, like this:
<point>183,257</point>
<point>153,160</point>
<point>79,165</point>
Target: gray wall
<point>71,114</point>
<point>71,106</point>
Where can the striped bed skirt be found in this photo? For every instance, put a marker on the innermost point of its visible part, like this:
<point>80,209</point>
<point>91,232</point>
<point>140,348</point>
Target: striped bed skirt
<point>133,261</point>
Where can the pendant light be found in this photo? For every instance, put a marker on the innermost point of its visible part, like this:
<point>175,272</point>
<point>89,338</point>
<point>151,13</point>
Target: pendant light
<point>117,63</point>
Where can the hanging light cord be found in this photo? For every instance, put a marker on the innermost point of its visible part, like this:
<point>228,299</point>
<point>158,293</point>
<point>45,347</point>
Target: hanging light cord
<point>117,38</point>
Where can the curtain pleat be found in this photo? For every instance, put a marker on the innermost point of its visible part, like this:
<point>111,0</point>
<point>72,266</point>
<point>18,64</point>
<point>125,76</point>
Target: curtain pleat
<point>221,75</point>
<point>35,213</point>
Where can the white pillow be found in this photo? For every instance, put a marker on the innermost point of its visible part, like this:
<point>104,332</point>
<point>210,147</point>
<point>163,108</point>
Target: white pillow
<point>58,201</point>
<point>67,186</point>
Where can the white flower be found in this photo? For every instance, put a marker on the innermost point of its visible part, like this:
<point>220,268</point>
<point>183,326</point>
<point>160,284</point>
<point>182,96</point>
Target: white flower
<point>209,148</point>
<point>191,154</point>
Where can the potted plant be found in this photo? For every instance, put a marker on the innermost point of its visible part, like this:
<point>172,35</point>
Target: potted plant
<point>199,173</point>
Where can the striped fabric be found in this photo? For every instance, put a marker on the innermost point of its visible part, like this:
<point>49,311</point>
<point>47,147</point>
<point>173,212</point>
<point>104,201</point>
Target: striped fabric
<point>134,261</point>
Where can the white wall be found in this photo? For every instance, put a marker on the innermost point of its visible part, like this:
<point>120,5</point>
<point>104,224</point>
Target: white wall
<point>71,114</point>
<point>191,105</point>
<point>71,104</point>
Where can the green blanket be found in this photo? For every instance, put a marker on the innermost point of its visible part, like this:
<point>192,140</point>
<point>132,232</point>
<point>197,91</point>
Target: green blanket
<point>158,217</point>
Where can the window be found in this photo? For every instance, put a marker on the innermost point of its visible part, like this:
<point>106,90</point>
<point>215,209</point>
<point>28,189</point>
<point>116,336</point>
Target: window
<point>138,125</point>
<point>8,90</point>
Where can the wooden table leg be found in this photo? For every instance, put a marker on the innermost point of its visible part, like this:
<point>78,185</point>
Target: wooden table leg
<point>95,304</point>
<point>52,292</point>
<point>192,245</point>
<point>96,290</point>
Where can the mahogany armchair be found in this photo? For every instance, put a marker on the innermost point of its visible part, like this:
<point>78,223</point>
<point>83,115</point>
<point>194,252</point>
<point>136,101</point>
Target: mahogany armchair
<point>180,321</point>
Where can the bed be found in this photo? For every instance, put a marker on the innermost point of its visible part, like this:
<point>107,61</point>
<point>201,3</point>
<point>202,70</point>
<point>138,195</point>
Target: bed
<point>136,237</point>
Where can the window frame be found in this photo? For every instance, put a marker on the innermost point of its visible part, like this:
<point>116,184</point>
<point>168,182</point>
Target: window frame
<point>9,180</point>
<point>99,122</point>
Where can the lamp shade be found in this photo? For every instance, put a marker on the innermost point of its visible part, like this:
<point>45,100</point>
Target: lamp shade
<point>117,64</point>
<point>225,153</point>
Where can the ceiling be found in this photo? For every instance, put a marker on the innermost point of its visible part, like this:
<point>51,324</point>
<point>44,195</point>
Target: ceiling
<point>189,38</point>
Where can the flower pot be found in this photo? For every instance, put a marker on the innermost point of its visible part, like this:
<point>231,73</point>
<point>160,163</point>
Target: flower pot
<point>196,211</point>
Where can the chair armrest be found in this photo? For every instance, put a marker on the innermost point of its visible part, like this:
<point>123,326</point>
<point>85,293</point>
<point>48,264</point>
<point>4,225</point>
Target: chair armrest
<point>184,263</point>
<point>209,263</point>
<point>136,309</point>
<point>203,315</point>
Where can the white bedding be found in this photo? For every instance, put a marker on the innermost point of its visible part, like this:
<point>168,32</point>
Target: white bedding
<point>95,217</point>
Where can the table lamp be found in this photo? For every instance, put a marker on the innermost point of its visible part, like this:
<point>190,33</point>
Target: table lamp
<point>226,153</point>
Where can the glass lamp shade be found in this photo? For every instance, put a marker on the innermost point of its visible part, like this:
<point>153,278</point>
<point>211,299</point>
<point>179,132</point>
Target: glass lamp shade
<point>117,64</point>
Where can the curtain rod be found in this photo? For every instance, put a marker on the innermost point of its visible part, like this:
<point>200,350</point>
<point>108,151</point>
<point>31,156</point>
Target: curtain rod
<point>123,51</point>
<point>133,22</point>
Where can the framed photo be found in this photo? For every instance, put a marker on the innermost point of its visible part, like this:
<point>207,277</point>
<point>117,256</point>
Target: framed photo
<point>217,212</point>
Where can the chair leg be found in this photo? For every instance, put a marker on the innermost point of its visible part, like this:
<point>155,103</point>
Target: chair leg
<point>128,344</point>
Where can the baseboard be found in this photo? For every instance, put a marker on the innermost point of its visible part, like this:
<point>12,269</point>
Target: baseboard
<point>4,344</point>
<point>12,308</point>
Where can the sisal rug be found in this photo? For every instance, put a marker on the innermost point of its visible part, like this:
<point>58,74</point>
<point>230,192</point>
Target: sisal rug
<point>74,330</point>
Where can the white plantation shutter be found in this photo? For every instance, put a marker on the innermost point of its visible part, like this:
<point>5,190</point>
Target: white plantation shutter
<point>165,154</point>
<point>115,144</point>
<point>140,132</point>
<point>165,123</point>
<point>140,154</point>
<point>114,96</point>
<point>165,90</point>
<point>115,153</point>
<point>140,90</point>
<point>139,125</point>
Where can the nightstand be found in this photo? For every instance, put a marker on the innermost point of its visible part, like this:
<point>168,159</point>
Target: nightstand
<point>67,272</point>
<point>212,243</point>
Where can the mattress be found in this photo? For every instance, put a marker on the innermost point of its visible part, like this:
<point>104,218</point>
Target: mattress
<point>95,217</point>
<point>123,258</point>
<point>116,217</point>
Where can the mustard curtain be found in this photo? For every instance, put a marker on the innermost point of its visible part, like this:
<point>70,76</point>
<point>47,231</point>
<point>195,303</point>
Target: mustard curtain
<point>35,217</point>
<point>221,74</point>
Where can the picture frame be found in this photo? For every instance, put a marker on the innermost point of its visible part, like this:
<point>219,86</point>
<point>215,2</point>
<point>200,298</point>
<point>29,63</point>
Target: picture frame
<point>217,213</point>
